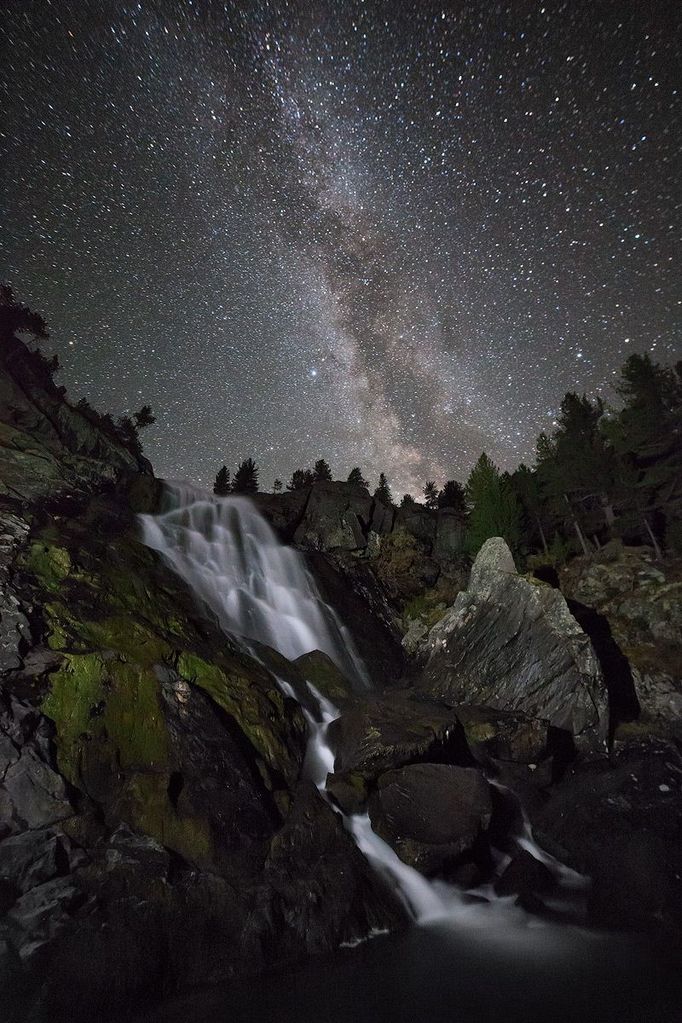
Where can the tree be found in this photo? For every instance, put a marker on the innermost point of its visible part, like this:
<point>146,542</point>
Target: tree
<point>16,318</point>
<point>321,471</point>
<point>277,487</point>
<point>300,478</point>
<point>647,438</point>
<point>494,508</point>
<point>222,486</point>
<point>407,501</point>
<point>431,495</point>
<point>452,496</point>
<point>383,491</point>
<point>526,486</point>
<point>577,466</point>
<point>246,478</point>
<point>355,476</point>
<point>144,417</point>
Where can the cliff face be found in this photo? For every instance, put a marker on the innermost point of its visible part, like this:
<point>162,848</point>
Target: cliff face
<point>155,832</point>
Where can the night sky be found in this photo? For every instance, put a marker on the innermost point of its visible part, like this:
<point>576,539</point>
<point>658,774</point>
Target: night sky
<point>389,234</point>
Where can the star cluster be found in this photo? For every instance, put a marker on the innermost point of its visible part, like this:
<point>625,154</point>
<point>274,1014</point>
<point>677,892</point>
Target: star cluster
<point>387,234</point>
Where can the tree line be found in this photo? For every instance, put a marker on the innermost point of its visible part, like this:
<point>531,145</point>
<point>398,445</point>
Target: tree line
<point>601,473</point>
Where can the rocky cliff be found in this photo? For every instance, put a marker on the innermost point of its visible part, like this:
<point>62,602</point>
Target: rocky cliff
<point>157,830</point>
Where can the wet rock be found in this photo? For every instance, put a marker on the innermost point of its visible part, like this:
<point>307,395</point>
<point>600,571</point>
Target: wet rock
<point>525,875</point>
<point>327,892</point>
<point>620,823</point>
<point>318,668</point>
<point>378,734</point>
<point>431,813</point>
<point>512,644</point>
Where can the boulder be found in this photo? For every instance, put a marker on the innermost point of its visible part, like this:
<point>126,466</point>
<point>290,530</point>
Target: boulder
<point>525,875</point>
<point>512,644</point>
<point>431,814</point>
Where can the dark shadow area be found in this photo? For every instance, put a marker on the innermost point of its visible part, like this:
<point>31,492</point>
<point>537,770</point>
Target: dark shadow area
<point>623,702</point>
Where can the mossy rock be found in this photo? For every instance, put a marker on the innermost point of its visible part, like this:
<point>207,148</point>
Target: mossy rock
<point>48,563</point>
<point>111,703</point>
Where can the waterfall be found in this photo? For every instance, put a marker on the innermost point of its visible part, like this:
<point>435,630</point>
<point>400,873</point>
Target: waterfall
<point>257,588</point>
<point>262,592</point>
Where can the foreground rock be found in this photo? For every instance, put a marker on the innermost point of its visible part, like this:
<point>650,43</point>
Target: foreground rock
<point>431,814</point>
<point>511,643</point>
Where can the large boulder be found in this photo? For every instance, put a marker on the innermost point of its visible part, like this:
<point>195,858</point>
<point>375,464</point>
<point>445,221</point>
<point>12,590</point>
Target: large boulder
<point>431,814</point>
<point>511,643</point>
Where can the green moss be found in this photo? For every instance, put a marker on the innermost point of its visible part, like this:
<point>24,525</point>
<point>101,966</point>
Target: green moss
<point>50,564</point>
<point>145,805</point>
<point>110,701</point>
<point>255,712</point>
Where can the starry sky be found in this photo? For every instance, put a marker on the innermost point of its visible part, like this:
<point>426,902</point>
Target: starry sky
<point>390,234</point>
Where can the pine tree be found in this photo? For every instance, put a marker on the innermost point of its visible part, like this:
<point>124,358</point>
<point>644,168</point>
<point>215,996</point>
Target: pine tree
<point>383,491</point>
<point>222,486</point>
<point>144,417</point>
<point>495,510</point>
<point>300,478</point>
<point>246,478</point>
<point>277,487</point>
<point>452,496</point>
<point>407,501</point>
<point>321,471</point>
<point>355,476</point>
<point>431,495</point>
<point>526,486</point>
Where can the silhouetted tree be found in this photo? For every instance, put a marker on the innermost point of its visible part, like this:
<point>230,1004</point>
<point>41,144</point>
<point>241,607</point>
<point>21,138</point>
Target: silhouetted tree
<point>300,478</point>
<point>277,487</point>
<point>15,317</point>
<point>245,480</point>
<point>383,491</point>
<point>495,510</point>
<point>452,496</point>
<point>144,417</point>
<point>222,486</point>
<point>431,494</point>
<point>355,476</point>
<point>321,471</point>
<point>407,501</point>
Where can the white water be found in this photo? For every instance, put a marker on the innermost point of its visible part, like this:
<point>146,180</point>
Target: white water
<point>258,589</point>
<point>262,591</point>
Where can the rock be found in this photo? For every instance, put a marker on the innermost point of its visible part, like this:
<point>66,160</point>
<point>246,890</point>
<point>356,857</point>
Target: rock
<point>319,669</point>
<point>642,604</point>
<point>32,794</point>
<point>378,734</point>
<point>512,644</point>
<point>612,822</point>
<point>431,813</point>
<point>33,857</point>
<point>328,893</point>
<point>525,875</point>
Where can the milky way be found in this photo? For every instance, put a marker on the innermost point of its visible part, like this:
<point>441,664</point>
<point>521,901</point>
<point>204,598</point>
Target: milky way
<point>391,235</point>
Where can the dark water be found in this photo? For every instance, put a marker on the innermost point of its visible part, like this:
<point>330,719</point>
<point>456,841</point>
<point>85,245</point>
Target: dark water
<point>530,973</point>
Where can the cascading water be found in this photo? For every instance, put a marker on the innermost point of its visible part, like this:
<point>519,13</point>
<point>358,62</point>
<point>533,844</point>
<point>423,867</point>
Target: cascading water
<point>483,952</point>
<point>261,592</point>
<point>257,588</point>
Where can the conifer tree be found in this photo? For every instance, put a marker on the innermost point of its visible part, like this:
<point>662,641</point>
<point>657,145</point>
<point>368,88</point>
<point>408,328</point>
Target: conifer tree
<point>222,486</point>
<point>383,491</point>
<point>300,478</point>
<point>321,471</point>
<point>452,496</point>
<point>245,479</point>
<point>431,495</point>
<point>355,476</point>
<point>407,501</point>
<point>277,487</point>
<point>145,417</point>
<point>495,510</point>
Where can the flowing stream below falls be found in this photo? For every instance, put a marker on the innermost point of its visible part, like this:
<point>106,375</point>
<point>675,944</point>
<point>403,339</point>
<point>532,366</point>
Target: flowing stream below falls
<point>471,956</point>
